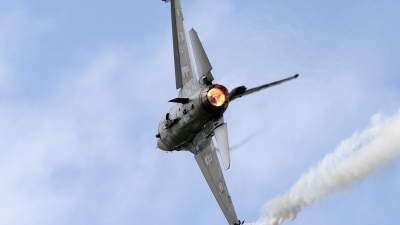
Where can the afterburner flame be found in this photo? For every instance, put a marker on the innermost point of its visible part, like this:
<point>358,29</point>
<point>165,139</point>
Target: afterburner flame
<point>216,96</point>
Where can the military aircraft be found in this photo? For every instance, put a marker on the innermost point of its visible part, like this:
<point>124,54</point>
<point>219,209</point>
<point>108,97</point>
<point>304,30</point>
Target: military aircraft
<point>198,113</point>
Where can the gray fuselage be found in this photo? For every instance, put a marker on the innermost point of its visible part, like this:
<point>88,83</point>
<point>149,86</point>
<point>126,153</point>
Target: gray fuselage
<point>185,120</point>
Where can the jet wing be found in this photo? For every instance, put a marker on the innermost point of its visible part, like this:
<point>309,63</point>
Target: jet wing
<point>184,73</point>
<point>208,162</point>
<point>243,91</point>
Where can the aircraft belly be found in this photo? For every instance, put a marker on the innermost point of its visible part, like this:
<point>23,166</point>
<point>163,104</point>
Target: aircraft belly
<point>190,126</point>
<point>185,129</point>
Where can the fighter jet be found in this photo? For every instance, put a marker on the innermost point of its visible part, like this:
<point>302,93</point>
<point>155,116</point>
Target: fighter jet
<point>198,113</point>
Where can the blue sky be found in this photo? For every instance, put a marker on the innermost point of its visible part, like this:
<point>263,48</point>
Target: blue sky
<point>83,85</point>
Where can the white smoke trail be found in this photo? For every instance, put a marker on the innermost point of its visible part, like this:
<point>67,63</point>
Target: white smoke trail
<point>356,157</point>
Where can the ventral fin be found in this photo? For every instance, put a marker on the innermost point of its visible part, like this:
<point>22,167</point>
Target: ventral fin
<point>221,135</point>
<point>202,62</point>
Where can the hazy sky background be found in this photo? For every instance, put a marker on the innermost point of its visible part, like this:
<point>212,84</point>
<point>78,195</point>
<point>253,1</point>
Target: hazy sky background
<point>83,85</point>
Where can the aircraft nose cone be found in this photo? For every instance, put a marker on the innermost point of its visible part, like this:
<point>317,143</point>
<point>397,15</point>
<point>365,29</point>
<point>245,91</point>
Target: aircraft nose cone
<point>161,146</point>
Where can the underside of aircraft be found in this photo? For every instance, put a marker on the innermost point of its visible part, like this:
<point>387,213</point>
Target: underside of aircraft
<point>198,113</point>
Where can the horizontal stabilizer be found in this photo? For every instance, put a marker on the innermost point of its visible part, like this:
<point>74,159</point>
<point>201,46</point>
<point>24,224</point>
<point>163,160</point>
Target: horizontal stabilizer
<point>221,135</point>
<point>243,91</point>
<point>202,62</point>
<point>180,100</point>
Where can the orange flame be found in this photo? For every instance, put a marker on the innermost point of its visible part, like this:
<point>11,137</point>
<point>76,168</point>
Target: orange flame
<point>216,96</point>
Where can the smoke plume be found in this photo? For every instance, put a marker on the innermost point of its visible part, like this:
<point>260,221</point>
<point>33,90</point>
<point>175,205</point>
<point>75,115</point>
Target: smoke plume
<point>356,157</point>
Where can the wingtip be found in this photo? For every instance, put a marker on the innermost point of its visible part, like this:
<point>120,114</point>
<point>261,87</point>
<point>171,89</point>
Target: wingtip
<point>191,32</point>
<point>227,167</point>
<point>296,76</point>
<point>239,223</point>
